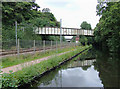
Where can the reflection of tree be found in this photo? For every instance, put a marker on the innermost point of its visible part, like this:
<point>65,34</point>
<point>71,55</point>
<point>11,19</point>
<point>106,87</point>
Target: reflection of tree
<point>55,75</point>
<point>108,67</point>
<point>88,55</point>
<point>85,67</point>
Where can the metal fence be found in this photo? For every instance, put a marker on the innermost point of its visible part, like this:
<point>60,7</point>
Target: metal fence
<point>25,46</point>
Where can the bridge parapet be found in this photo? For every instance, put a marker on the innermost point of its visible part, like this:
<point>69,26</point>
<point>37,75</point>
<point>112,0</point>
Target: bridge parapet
<point>64,31</point>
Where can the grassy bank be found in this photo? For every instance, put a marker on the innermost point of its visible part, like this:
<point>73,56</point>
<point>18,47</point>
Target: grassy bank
<point>27,74</point>
<point>14,60</point>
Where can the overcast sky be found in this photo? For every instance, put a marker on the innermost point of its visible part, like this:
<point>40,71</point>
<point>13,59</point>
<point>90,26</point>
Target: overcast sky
<point>72,12</point>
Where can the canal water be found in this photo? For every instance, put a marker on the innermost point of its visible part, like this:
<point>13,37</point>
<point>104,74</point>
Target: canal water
<point>91,69</point>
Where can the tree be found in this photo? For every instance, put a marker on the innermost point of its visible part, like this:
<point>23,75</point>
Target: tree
<point>27,15</point>
<point>85,25</point>
<point>45,10</point>
<point>83,39</point>
<point>17,11</point>
<point>107,33</point>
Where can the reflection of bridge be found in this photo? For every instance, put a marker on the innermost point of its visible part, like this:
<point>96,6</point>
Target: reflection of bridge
<point>81,63</point>
<point>64,31</point>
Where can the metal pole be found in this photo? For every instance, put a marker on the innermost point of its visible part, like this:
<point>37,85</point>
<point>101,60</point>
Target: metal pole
<point>16,33</point>
<point>44,45</point>
<point>60,31</point>
<point>18,48</point>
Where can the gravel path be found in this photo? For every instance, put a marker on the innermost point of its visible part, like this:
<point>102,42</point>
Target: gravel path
<point>15,68</point>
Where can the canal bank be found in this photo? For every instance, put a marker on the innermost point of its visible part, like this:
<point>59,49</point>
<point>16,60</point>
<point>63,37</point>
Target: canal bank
<point>93,69</point>
<point>28,74</point>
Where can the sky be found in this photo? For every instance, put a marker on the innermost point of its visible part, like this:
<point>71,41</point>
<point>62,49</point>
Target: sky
<point>72,12</point>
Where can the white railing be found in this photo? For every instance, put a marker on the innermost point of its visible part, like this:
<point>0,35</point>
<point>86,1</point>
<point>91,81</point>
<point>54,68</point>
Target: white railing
<point>65,31</point>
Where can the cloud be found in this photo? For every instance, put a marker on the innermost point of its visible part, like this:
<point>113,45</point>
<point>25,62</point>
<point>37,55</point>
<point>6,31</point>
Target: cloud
<point>72,12</point>
<point>57,3</point>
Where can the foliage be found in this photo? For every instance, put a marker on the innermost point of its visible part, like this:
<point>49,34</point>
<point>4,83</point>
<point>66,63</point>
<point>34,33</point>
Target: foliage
<point>85,25</point>
<point>73,38</point>
<point>27,16</point>
<point>83,39</point>
<point>86,40</point>
<point>45,10</point>
<point>26,75</point>
<point>107,32</point>
<point>9,80</point>
<point>107,64</point>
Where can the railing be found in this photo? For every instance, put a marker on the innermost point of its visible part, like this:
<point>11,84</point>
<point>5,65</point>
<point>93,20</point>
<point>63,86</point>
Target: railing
<point>64,31</point>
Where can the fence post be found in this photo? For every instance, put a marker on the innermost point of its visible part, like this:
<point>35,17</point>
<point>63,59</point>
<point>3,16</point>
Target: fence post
<point>16,34</point>
<point>44,45</point>
<point>51,44</point>
<point>34,46</point>
<point>18,48</point>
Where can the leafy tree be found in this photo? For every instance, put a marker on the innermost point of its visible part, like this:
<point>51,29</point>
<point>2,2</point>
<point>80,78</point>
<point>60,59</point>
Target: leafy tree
<point>107,33</point>
<point>45,10</point>
<point>73,38</point>
<point>83,39</point>
<point>27,16</point>
<point>17,11</point>
<point>85,25</point>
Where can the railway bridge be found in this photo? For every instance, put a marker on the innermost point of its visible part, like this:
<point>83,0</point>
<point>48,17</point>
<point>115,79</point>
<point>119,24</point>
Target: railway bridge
<point>63,31</point>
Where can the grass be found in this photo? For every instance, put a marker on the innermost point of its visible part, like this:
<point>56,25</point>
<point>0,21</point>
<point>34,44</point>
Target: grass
<point>14,60</point>
<point>26,74</point>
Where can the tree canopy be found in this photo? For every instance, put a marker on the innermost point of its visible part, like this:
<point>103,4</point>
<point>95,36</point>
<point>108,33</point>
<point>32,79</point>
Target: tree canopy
<point>27,15</point>
<point>85,25</point>
<point>107,31</point>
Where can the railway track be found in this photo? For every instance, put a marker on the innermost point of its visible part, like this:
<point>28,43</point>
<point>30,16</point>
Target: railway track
<point>12,52</point>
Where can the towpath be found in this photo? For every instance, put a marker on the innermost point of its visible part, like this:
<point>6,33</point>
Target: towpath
<point>15,68</point>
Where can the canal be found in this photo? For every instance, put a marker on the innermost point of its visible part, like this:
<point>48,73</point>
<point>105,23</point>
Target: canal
<point>91,69</point>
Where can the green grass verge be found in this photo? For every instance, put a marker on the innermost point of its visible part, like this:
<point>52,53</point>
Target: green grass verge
<point>14,60</point>
<point>26,74</point>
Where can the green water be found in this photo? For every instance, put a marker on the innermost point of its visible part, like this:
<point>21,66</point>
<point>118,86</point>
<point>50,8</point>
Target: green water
<point>92,69</point>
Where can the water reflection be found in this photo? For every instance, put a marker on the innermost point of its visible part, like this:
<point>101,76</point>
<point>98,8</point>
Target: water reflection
<point>73,74</point>
<point>85,63</point>
<point>92,69</point>
<point>77,77</point>
<point>108,66</point>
